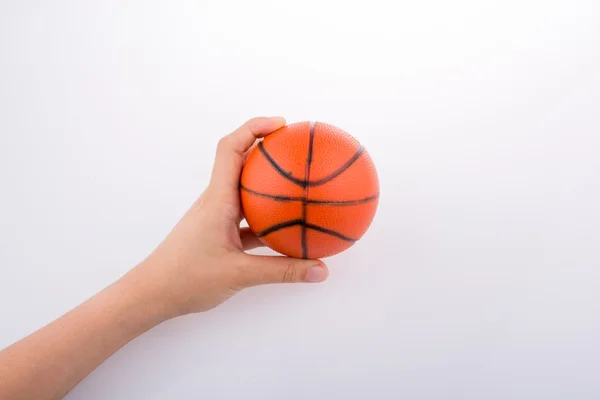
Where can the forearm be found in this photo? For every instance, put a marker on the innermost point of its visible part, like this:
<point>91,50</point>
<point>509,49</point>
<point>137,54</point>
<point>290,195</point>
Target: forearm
<point>50,362</point>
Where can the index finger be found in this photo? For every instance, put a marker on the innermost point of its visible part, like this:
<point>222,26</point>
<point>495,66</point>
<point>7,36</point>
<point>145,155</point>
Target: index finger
<point>231,149</point>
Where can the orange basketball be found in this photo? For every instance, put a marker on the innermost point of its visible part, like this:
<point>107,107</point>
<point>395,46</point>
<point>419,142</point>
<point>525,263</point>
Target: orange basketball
<point>309,190</point>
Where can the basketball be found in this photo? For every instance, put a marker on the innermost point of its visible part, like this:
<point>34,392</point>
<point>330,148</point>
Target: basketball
<point>309,190</point>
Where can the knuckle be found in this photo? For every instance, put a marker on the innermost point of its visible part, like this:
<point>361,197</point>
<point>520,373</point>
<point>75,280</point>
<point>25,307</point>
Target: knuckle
<point>253,123</point>
<point>224,143</point>
<point>290,273</point>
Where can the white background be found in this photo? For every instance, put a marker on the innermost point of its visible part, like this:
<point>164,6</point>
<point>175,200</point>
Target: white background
<point>479,276</point>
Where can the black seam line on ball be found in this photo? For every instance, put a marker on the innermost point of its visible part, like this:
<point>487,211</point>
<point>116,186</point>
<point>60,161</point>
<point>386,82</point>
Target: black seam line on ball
<point>296,222</point>
<point>279,226</point>
<point>318,202</point>
<point>278,168</point>
<point>311,139</point>
<point>329,232</point>
<point>272,196</point>
<point>304,183</point>
<point>336,173</point>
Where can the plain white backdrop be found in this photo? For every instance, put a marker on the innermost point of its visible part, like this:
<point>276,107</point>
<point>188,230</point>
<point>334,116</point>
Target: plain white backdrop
<point>479,276</point>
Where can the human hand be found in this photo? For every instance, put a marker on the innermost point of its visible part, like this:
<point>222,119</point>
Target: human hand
<point>202,262</point>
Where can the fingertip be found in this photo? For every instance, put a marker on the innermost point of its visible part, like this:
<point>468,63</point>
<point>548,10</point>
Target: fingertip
<point>317,273</point>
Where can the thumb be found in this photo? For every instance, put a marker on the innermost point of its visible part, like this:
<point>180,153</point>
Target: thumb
<point>259,270</point>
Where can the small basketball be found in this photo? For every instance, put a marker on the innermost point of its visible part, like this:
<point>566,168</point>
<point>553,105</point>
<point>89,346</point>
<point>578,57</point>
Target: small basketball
<point>309,190</point>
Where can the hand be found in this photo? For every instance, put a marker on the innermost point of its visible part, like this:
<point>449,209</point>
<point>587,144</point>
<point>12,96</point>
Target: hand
<point>202,263</point>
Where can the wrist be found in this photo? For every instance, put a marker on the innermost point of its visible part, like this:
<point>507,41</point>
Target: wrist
<point>147,297</point>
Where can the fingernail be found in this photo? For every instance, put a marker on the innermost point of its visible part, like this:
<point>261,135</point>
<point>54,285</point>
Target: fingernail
<point>316,274</point>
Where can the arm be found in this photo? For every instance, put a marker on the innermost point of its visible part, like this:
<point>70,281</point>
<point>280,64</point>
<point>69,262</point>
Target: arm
<point>200,264</point>
<point>49,362</point>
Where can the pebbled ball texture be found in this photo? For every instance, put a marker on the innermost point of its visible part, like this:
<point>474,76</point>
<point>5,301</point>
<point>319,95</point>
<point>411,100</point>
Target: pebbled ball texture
<point>309,190</point>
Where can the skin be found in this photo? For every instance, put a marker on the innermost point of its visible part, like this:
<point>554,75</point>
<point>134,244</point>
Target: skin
<point>200,264</point>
